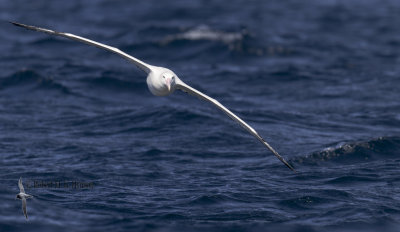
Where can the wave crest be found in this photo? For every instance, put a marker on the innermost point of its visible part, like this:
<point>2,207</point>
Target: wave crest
<point>375,149</point>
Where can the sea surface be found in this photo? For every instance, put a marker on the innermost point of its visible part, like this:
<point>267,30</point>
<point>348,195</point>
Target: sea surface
<point>319,80</point>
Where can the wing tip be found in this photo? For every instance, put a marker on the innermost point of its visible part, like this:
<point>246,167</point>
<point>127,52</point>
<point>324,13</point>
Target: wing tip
<point>17,24</point>
<point>290,166</point>
<point>278,156</point>
<point>33,28</point>
<point>22,25</point>
<point>283,160</point>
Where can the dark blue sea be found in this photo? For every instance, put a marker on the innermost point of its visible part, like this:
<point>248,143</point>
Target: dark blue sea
<point>319,80</point>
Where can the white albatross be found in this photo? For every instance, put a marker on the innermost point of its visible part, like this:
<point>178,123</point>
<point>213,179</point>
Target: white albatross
<point>23,196</point>
<point>161,81</point>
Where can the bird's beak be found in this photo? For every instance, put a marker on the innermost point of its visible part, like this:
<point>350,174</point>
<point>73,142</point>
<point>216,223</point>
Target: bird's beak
<point>168,82</point>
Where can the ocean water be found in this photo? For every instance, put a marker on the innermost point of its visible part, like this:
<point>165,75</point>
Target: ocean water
<point>319,80</point>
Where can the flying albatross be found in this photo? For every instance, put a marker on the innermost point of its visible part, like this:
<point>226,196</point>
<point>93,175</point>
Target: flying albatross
<point>23,196</point>
<point>161,81</point>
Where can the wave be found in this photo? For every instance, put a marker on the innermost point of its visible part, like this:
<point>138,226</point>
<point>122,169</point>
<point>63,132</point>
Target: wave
<point>30,79</point>
<point>239,41</point>
<point>349,153</point>
<point>204,32</point>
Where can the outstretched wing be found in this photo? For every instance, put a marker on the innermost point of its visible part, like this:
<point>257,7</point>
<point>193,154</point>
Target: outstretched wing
<point>186,88</point>
<point>21,187</point>
<point>24,207</point>
<point>140,64</point>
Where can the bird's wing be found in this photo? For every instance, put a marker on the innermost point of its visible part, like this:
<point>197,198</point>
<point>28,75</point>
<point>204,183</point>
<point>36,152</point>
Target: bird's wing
<point>140,64</point>
<point>24,207</point>
<point>21,187</point>
<point>186,88</point>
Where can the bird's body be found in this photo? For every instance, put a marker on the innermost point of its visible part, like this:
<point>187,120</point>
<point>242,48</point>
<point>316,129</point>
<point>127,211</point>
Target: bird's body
<point>23,196</point>
<point>161,81</point>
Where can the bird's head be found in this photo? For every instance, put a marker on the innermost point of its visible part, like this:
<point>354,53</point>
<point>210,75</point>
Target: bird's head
<point>162,81</point>
<point>18,196</point>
